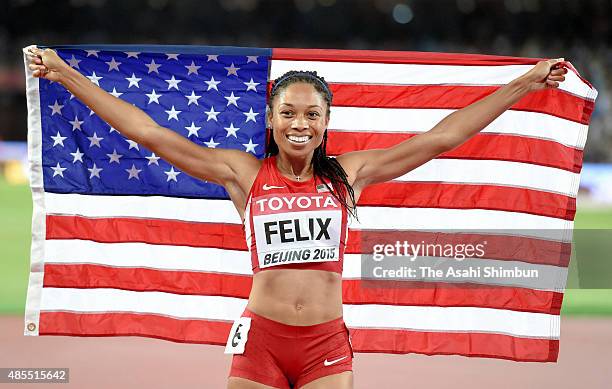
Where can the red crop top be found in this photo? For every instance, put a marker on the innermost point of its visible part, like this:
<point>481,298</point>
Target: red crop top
<point>293,225</point>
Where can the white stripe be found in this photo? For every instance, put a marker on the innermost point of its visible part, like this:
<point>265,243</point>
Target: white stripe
<point>409,74</point>
<point>476,220</point>
<point>150,207</point>
<point>529,124</point>
<point>37,250</point>
<point>212,260</point>
<point>373,316</point>
<point>515,174</point>
<point>163,257</point>
<point>168,304</point>
<point>472,220</point>
<point>451,319</point>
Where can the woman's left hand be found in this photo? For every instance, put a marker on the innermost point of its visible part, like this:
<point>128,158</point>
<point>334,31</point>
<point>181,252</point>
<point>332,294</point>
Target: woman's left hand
<point>546,74</point>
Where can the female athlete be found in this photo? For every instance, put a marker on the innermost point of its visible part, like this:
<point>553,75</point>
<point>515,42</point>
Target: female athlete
<point>294,205</point>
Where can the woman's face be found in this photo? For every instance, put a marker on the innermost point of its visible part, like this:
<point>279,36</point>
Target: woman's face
<point>298,119</point>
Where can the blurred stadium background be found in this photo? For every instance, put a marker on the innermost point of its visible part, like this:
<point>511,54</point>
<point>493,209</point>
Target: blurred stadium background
<point>578,30</point>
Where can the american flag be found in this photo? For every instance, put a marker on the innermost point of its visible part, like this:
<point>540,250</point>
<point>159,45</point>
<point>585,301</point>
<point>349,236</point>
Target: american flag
<point>126,244</point>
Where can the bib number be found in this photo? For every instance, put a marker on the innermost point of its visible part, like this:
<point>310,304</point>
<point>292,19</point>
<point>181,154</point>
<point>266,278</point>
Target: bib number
<point>238,336</point>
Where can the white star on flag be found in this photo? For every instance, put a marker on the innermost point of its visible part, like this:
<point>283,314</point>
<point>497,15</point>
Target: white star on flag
<point>78,156</point>
<point>111,130</point>
<point>212,114</point>
<point>58,139</point>
<point>58,170</point>
<point>73,62</point>
<point>232,70</point>
<point>114,157</point>
<point>193,68</point>
<point>133,145</point>
<point>76,123</point>
<point>250,147</point>
<point>211,57</point>
<point>94,78</point>
<point>94,140</point>
<point>133,172</point>
<point>172,56</point>
<point>251,85</point>
<point>132,54</point>
<point>153,159</point>
<point>250,115</point>
<point>212,84</point>
<point>56,108</point>
<point>193,98</point>
<point>211,143</point>
<point>173,114</point>
<point>173,83</point>
<point>231,130</point>
<point>133,81</point>
<point>252,58</point>
<point>172,174</point>
<point>231,99</point>
<point>153,97</point>
<point>152,67</point>
<point>92,52</point>
<point>115,93</point>
<point>193,130</point>
<point>113,65</point>
<point>95,171</point>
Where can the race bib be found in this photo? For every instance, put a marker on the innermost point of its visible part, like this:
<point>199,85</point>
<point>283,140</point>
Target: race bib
<point>297,228</point>
<point>238,336</point>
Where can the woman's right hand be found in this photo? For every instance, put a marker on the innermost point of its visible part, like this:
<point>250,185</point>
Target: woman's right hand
<point>46,64</point>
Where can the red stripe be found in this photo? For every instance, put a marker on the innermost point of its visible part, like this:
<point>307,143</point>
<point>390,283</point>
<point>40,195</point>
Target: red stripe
<point>132,324</point>
<point>152,231</point>
<point>363,340</point>
<point>553,102</point>
<point>354,291</point>
<point>461,196</point>
<point>455,343</point>
<point>482,146</point>
<point>407,57</point>
<point>227,236</point>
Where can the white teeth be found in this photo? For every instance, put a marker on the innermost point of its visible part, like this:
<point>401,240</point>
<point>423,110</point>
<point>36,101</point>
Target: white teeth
<point>299,139</point>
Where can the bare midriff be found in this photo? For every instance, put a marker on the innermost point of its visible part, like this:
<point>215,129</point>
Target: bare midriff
<point>297,297</point>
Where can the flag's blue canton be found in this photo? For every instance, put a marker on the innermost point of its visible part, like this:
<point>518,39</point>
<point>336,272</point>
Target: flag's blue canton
<point>215,100</point>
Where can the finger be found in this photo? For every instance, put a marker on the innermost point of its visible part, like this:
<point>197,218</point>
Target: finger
<point>556,78</point>
<point>558,72</point>
<point>42,68</point>
<point>552,84</point>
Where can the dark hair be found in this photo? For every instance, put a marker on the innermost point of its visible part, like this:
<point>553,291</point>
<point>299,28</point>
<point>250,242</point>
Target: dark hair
<point>323,166</point>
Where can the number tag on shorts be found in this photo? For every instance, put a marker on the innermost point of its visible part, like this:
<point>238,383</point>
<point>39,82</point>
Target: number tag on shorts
<point>238,336</point>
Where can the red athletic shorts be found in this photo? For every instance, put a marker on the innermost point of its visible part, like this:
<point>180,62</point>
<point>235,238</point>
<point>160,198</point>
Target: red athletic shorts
<point>284,356</point>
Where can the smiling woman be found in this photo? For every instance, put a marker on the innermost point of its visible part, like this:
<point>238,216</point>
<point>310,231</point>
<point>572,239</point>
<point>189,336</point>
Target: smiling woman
<point>299,109</point>
<point>294,206</point>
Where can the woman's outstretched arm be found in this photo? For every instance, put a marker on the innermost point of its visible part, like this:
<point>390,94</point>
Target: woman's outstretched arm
<point>373,166</point>
<point>224,167</point>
